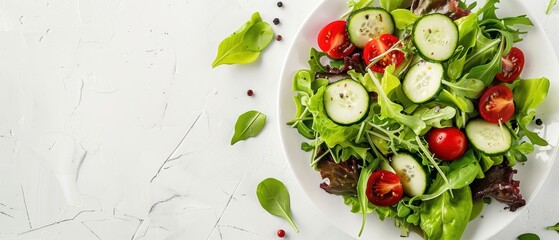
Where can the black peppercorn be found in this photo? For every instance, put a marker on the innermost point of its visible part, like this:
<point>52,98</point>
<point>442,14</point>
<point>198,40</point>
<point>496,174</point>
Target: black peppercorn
<point>280,4</point>
<point>539,122</point>
<point>276,21</point>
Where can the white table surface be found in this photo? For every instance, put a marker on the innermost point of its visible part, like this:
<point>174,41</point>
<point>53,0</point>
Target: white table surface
<point>115,126</point>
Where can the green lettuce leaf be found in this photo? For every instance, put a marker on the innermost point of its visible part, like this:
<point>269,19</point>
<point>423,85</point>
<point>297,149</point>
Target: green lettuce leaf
<point>330,132</point>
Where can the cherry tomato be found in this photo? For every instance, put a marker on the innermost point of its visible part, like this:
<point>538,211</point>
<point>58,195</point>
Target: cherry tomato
<point>447,143</point>
<point>496,104</point>
<point>512,65</point>
<point>384,188</point>
<point>334,41</point>
<point>378,46</point>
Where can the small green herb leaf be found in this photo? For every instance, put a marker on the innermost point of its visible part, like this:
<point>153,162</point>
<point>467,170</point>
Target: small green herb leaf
<point>528,236</point>
<point>248,125</point>
<point>554,227</point>
<point>274,198</point>
<point>245,44</point>
<point>550,6</point>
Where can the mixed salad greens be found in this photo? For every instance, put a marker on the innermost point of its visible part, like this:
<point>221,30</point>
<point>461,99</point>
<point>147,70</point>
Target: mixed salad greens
<point>415,110</point>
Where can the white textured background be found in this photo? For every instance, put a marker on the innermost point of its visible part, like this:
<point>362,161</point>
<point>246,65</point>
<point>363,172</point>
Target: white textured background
<point>114,126</point>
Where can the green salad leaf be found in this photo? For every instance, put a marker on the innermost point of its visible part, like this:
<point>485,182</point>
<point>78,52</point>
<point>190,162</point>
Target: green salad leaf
<point>458,178</point>
<point>362,195</point>
<point>330,132</point>
<point>446,217</point>
<point>390,5</point>
<point>388,107</point>
<point>249,124</point>
<point>403,18</point>
<point>274,198</point>
<point>467,87</point>
<point>356,5</point>
<point>527,96</point>
<point>245,44</point>
<point>436,116</point>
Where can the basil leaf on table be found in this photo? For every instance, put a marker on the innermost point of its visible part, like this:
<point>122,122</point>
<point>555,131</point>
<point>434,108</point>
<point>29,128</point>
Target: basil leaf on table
<point>528,236</point>
<point>245,44</point>
<point>274,198</point>
<point>249,124</point>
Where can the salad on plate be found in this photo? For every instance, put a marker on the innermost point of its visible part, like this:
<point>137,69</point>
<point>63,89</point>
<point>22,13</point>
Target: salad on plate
<point>417,111</point>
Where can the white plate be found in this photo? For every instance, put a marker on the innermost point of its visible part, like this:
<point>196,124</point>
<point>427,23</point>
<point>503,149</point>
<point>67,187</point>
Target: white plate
<point>539,62</point>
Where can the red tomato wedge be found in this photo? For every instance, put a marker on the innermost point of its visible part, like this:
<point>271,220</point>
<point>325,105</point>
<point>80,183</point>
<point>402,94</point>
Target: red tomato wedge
<point>384,188</point>
<point>447,143</point>
<point>378,46</point>
<point>512,65</point>
<point>496,104</point>
<point>334,41</point>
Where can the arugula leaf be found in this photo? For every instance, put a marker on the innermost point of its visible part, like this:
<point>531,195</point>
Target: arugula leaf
<point>390,109</point>
<point>468,29</point>
<point>362,195</point>
<point>487,11</point>
<point>249,124</point>
<point>463,104</point>
<point>487,72</point>
<point>446,217</point>
<point>403,18</point>
<point>274,198</point>
<point>466,87</point>
<point>436,116</point>
<point>458,178</point>
<point>245,44</point>
<point>550,6</point>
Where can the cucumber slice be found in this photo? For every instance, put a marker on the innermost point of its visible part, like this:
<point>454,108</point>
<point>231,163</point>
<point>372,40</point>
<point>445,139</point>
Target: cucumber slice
<point>435,36</point>
<point>411,172</point>
<point>368,23</point>
<point>423,81</point>
<point>489,138</point>
<point>346,102</point>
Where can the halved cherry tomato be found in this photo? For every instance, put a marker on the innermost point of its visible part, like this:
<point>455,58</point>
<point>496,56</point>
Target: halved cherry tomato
<point>378,46</point>
<point>334,41</point>
<point>447,143</point>
<point>512,65</point>
<point>384,188</point>
<point>496,104</point>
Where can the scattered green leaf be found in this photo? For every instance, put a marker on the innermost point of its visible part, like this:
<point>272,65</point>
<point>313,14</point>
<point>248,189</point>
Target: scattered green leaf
<point>249,124</point>
<point>528,236</point>
<point>550,6</point>
<point>554,227</point>
<point>274,198</point>
<point>245,44</point>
